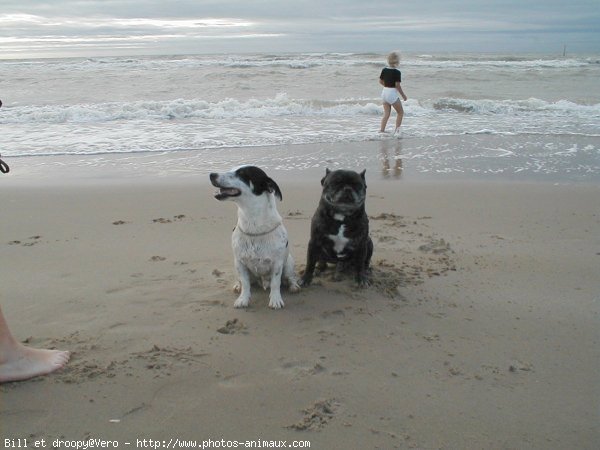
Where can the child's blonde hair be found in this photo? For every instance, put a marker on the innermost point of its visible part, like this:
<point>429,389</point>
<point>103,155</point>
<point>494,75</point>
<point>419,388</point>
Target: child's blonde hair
<point>393,59</point>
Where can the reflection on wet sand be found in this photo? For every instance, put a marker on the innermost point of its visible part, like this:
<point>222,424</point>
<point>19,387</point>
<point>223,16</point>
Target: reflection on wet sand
<point>391,151</point>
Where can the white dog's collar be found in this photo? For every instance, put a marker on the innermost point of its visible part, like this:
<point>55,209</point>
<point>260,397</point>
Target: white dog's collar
<point>258,234</point>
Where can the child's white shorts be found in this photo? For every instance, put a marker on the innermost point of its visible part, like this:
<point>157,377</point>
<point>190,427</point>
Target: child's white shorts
<point>390,95</point>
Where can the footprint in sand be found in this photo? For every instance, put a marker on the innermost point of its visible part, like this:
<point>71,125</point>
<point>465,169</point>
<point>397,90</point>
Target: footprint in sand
<point>520,366</point>
<point>157,258</point>
<point>298,369</point>
<point>35,239</point>
<point>164,220</point>
<point>163,360</point>
<point>81,371</point>
<point>232,327</point>
<point>316,416</point>
<point>436,246</point>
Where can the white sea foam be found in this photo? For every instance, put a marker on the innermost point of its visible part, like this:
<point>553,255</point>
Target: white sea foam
<point>280,106</point>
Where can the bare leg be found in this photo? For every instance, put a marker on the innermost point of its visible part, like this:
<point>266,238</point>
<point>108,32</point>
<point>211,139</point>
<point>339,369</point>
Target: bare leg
<point>19,362</point>
<point>400,111</point>
<point>387,110</point>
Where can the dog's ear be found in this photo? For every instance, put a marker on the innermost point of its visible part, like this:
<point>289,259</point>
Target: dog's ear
<point>258,181</point>
<point>273,188</point>
<point>327,172</point>
<point>362,174</point>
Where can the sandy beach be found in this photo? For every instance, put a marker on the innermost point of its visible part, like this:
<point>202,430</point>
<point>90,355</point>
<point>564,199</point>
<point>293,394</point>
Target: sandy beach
<point>481,329</point>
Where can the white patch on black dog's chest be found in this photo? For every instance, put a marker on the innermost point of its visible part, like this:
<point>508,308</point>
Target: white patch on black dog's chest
<point>339,241</point>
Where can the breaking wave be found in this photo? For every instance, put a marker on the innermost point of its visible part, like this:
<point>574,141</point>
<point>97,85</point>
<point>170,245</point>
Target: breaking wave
<point>280,106</point>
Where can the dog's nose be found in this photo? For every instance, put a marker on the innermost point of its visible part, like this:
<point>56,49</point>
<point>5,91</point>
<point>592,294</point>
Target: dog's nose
<point>348,191</point>
<point>347,194</point>
<point>213,176</point>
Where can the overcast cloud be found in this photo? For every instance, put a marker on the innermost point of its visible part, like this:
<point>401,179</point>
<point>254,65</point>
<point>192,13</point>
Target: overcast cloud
<point>58,28</point>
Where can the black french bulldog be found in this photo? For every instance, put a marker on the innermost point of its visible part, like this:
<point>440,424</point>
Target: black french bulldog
<point>340,228</point>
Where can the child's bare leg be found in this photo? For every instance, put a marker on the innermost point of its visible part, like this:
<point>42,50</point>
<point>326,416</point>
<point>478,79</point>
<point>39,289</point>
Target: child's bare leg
<point>19,362</point>
<point>400,111</point>
<point>387,110</point>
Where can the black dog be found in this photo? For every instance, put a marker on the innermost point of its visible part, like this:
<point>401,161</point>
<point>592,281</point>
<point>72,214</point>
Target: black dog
<point>340,228</point>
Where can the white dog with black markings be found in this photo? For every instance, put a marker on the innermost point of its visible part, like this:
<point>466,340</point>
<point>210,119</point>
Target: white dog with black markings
<point>260,241</point>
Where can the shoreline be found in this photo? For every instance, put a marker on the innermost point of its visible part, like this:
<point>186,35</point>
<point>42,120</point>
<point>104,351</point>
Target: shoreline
<point>410,159</point>
<point>481,329</point>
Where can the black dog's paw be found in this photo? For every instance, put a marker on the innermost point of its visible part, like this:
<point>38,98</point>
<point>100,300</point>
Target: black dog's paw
<point>320,268</point>
<point>363,284</point>
<point>363,281</point>
<point>305,281</point>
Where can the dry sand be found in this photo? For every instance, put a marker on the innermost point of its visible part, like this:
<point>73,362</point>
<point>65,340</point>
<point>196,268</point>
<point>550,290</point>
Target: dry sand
<point>481,329</point>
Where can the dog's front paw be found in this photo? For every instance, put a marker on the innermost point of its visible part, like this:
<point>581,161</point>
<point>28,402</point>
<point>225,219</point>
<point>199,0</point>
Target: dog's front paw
<point>237,287</point>
<point>294,287</point>
<point>242,302</point>
<point>305,281</point>
<point>275,301</point>
<point>363,281</point>
<point>320,268</point>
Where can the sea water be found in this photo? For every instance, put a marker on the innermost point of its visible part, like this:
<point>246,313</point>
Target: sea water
<point>528,113</point>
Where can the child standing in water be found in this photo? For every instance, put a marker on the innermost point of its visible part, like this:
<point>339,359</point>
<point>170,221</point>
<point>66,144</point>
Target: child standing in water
<point>390,80</point>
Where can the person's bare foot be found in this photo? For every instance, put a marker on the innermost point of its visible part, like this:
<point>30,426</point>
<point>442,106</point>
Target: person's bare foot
<point>22,363</point>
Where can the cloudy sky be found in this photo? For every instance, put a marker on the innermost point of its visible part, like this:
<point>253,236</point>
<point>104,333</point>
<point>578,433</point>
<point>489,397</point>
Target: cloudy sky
<point>58,28</point>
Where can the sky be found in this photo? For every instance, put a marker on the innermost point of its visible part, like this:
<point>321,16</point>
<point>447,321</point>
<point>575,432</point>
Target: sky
<point>91,28</point>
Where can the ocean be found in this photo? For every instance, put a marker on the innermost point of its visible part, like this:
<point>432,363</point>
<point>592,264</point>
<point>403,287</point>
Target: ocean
<point>466,113</point>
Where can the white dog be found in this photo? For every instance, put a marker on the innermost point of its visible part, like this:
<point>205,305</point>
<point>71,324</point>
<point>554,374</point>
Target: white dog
<point>259,240</point>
